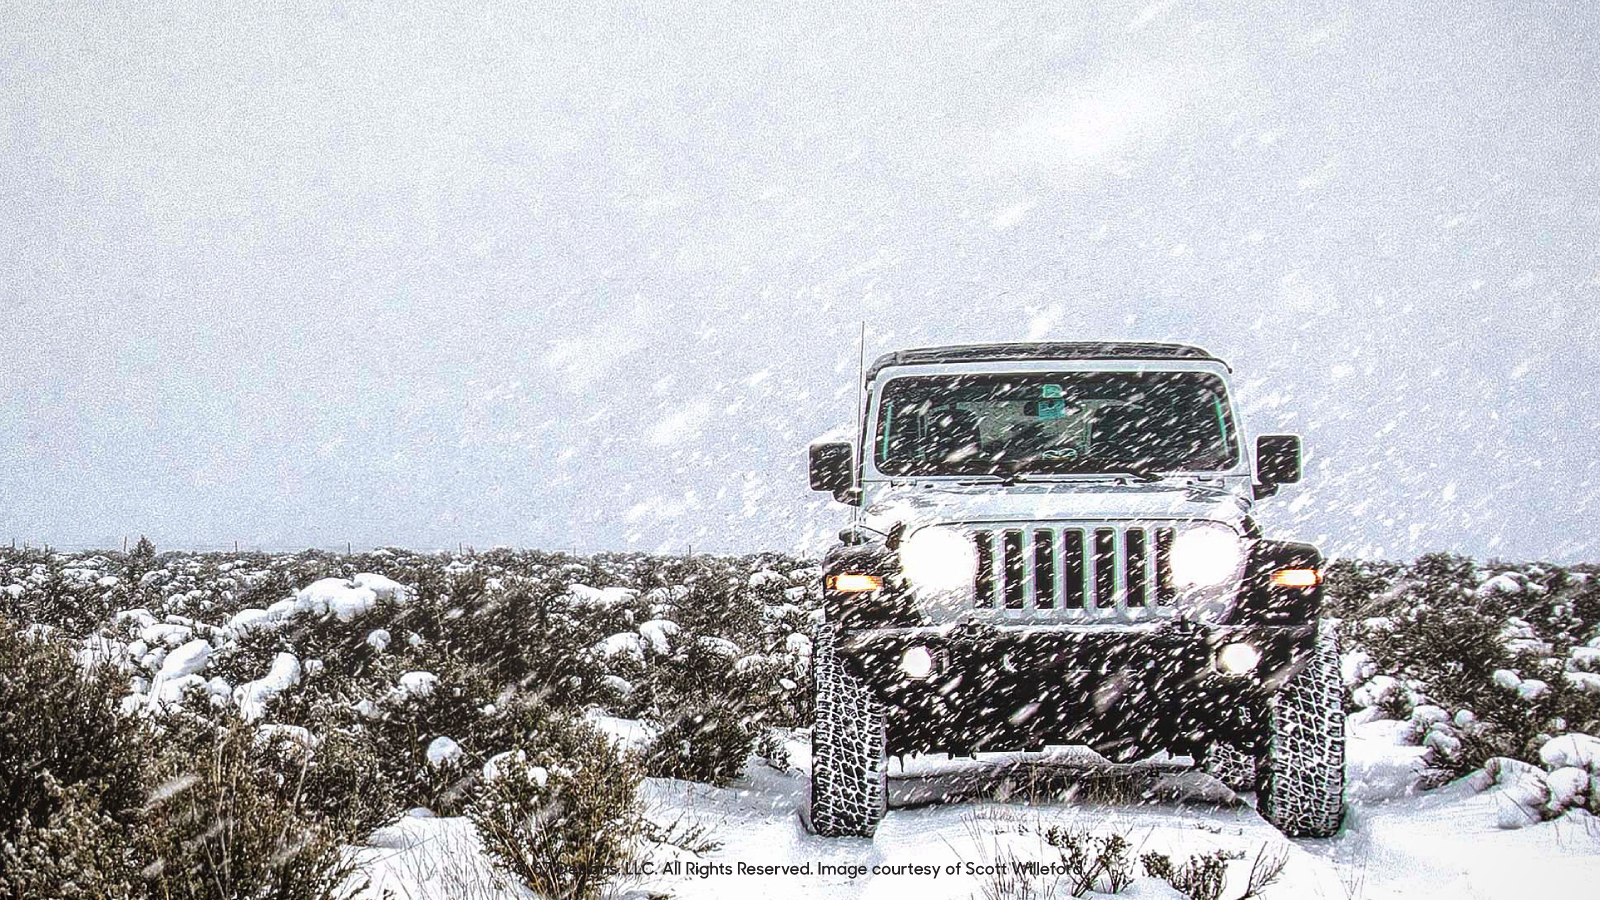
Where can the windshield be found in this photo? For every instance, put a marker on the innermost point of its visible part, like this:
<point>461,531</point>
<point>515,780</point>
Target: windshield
<point>1054,423</point>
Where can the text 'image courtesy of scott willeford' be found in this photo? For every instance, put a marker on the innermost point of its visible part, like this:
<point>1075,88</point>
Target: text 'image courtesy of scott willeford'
<point>695,451</point>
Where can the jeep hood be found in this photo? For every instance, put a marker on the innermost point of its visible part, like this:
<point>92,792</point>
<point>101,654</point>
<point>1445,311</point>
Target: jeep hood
<point>928,503</point>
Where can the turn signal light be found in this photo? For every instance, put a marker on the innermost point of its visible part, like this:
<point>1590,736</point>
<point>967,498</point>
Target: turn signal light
<point>1297,578</point>
<point>853,583</point>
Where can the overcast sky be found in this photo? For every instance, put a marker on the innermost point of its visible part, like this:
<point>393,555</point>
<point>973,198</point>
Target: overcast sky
<point>592,279</point>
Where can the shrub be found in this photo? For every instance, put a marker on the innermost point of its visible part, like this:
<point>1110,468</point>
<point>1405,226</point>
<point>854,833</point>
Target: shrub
<point>563,819</point>
<point>343,786</point>
<point>1098,863</point>
<point>1200,877</point>
<point>61,728</point>
<point>80,853</point>
<point>219,825</point>
<point>708,744</point>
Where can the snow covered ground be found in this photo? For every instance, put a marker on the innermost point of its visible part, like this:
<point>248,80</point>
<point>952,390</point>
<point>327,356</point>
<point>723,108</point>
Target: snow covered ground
<point>1398,842</point>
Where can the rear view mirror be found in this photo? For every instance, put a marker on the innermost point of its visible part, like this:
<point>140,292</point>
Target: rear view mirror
<point>833,469</point>
<point>1277,462</point>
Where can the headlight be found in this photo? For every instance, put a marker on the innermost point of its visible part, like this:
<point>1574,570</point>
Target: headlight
<point>940,560</point>
<point>1205,555</point>
<point>917,662</point>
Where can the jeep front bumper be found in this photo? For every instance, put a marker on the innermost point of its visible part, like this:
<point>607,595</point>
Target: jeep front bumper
<point>1125,692</point>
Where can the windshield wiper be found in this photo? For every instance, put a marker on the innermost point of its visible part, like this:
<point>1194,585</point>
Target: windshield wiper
<point>1120,470</point>
<point>1015,476</point>
<point>1137,473</point>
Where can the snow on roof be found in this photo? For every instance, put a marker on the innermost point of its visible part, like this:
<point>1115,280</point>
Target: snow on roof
<point>1131,350</point>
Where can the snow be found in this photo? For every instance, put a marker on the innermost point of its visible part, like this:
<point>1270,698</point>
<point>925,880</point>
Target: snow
<point>165,633</point>
<point>246,621</point>
<point>1588,682</point>
<point>799,645</point>
<point>1580,750</point>
<point>442,750</point>
<point>630,734</point>
<point>188,659</point>
<point>1567,784</point>
<point>1398,842</point>
<point>767,577</point>
<point>1507,679</point>
<point>141,618</point>
<point>252,697</point>
<point>417,684</point>
<point>1371,693</point>
<point>341,597</point>
<point>171,691</point>
<point>384,587</point>
<point>1502,583</point>
<point>1532,688</point>
<point>624,643</point>
<point>378,639</point>
<point>611,596</point>
<point>659,632</point>
<point>492,767</point>
<point>720,646</point>
<point>291,739</point>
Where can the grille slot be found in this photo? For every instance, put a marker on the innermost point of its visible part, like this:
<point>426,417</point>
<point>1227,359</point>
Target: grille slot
<point>1166,591</point>
<point>1015,576</point>
<point>985,579</point>
<point>1105,567</point>
<point>1072,568</point>
<point>1134,580</point>
<point>1044,569</point>
<point>1074,573</point>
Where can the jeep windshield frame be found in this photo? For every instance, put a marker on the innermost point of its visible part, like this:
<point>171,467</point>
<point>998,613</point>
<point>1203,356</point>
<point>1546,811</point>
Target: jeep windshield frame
<point>1053,422</point>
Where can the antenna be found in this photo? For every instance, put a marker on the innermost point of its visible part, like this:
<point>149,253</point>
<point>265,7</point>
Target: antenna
<point>861,410</point>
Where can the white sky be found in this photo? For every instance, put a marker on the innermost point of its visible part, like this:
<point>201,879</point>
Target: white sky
<point>592,278</point>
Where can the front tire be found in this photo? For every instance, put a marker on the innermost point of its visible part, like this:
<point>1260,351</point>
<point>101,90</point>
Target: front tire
<point>1231,766</point>
<point>849,779</point>
<point>1301,790</point>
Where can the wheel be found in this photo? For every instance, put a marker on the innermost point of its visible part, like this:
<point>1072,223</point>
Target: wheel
<point>1231,766</point>
<point>1301,790</point>
<point>849,787</point>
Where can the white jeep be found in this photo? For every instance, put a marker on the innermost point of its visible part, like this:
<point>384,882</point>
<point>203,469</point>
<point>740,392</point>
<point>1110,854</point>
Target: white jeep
<point>1056,546</point>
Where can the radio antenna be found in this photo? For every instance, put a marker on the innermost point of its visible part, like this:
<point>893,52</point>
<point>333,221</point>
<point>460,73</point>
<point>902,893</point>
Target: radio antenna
<point>861,412</point>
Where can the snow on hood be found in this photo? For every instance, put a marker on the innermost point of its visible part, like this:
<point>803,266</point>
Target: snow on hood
<point>926,503</point>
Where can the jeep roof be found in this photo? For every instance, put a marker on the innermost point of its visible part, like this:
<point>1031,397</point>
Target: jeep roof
<point>1035,350</point>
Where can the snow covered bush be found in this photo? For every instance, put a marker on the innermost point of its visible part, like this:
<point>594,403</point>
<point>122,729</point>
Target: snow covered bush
<point>63,739</point>
<point>73,595</point>
<point>343,785</point>
<point>80,852</point>
<point>709,744</point>
<point>1483,666</point>
<point>561,815</point>
<point>356,667</point>
<point>218,824</point>
<point>1566,781</point>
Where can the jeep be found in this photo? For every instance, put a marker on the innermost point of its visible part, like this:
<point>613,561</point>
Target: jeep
<point>1055,543</point>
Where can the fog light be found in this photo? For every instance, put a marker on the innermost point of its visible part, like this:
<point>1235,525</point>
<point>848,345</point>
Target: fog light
<point>1297,578</point>
<point>854,583</point>
<point>1237,659</point>
<point>917,662</point>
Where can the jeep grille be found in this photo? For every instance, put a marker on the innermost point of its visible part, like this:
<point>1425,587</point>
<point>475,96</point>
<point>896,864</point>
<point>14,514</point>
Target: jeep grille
<point>1075,572</point>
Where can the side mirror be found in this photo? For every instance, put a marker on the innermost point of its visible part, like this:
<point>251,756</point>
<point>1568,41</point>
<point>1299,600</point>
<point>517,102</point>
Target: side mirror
<point>1277,462</point>
<point>833,470</point>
